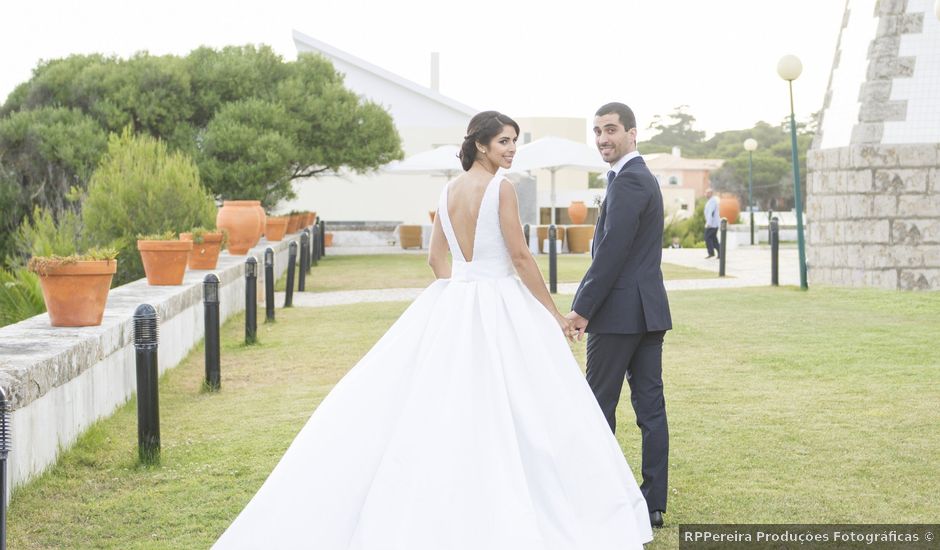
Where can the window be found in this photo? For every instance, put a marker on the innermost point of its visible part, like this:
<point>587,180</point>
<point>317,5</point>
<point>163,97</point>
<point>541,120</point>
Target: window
<point>673,180</point>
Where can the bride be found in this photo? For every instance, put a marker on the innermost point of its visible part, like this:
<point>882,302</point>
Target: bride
<point>469,425</point>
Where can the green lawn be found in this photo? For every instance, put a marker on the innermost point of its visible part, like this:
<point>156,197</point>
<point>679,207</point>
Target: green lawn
<point>412,271</point>
<point>784,406</point>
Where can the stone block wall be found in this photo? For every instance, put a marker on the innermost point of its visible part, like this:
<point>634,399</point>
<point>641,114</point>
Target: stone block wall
<point>874,216</point>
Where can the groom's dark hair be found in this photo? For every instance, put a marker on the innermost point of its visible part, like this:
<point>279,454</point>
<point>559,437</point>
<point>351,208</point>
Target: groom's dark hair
<point>627,118</point>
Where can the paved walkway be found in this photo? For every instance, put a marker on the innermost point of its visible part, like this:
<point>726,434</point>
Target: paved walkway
<point>746,267</point>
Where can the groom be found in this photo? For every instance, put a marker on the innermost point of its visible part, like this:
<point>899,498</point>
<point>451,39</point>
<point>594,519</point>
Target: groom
<point>622,303</point>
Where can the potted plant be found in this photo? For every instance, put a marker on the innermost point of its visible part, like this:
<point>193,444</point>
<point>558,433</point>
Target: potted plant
<point>294,220</point>
<point>207,244</point>
<point>164,258</point>
<point>276,227</point>
<point>243,222</point>
<point>75,288</point>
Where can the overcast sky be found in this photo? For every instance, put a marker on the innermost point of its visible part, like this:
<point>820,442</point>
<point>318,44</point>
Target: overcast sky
<point>525,58</point>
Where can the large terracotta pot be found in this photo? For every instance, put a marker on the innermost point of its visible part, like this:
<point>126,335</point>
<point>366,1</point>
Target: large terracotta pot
<point>577,211</point>
<point>308,219</point>
<point>76,293</point>
<point>241,220</point>
<point>293,223</point>
<point>261,226</point>
<point>579,238</point>
<point>204,255</point>
<point>165,261</point>
<point>542,233</point>
<point>327,239</point>
<point>729,207</point>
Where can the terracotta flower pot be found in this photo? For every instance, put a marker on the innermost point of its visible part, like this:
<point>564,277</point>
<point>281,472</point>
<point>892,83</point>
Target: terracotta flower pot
<point>164,261</point>
<point>729,207</point>
<point>577,211</point>
<point>241,220</point>
<point>541,232</point>
<point>261,226</point>
<point>328,239</point>
<point>293,223</point>
<point>76,293</point>
<point>579,238</point>
<point>275,228</point>
<point>204,255</point>
<point>308,219</point>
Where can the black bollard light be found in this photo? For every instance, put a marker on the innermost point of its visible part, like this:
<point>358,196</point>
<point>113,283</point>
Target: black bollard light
<point>148,403</point>
<point>322,239</point>
<point>251,300</point>
<point>552,259</point>
<point>525,232</point>
<point>775,251</point>
<point>6,447</point>
<point>291,265</point>
<point>770,216</point>
<point>269,285</point>
<point>210,300</point>
<point>304,260</point>
<point>722,247</point>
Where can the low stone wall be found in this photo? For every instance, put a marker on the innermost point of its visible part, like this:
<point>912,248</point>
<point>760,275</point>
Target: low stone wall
<point>61,380</point>
<point>874,216</point>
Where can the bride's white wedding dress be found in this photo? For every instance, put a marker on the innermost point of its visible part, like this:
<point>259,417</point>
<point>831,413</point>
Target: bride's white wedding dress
<point>469,426</point>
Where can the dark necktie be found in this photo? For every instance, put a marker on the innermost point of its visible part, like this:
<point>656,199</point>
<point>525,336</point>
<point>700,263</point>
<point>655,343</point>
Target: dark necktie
<point>610,177</point>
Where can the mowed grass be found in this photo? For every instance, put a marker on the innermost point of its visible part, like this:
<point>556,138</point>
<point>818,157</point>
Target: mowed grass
<point>378,271</point>
<point>784,407</point>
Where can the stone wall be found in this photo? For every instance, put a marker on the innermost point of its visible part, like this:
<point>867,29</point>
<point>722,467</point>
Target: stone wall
<point>874,216</point>
<point>61,380</point>
<point>873,190</point>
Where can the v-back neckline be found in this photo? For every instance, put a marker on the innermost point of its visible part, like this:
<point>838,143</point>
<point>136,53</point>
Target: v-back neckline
<point>476,222</point>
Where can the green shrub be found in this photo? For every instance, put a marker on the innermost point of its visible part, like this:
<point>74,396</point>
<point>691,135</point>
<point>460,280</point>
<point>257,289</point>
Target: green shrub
<point>690,231</point>
<point>20,296</point>
<point>42,235</point>
<point>141,188</point>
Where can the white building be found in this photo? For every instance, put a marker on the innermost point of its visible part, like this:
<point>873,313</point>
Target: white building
<point>425,119</point>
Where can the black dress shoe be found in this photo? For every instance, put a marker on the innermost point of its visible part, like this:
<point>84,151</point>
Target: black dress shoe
<point>709,256</point>
<point>656,518</point>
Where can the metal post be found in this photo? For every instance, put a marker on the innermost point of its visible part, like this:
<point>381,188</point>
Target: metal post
<point>210,300</point>
<point>251,300</point>
<point>291,266</point>
<point>775,251</point>
<point>315,245</point>
<point>750,200</point>
<point>304,260</point>
<point>6,447</point>
<point>322,239</point>
<point>552,259</point>
<point>269,285</point>
<point>770,216</point>
<point>525,231</point>
<point>723,247</point>
<point>797,195</point>
<point>148,404</point>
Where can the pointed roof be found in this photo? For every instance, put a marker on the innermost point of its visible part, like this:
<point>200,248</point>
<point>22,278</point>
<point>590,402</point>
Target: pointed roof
<point>301,39</point>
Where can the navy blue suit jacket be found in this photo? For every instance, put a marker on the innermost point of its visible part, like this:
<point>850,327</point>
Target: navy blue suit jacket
<point>622,292</point>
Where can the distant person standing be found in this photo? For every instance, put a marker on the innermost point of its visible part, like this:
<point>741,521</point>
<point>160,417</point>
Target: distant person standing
<point>712,221</point>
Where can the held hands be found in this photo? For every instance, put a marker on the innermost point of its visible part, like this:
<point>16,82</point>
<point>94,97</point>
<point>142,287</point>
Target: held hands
<point>578,325</point>
<point>565,325</point>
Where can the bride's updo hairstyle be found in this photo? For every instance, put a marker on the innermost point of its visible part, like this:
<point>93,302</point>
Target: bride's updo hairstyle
<point>482,128</point>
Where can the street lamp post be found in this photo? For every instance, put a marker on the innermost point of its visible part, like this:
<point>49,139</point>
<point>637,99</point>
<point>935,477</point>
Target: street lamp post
<point>750,145</point>
<point>789,68</point>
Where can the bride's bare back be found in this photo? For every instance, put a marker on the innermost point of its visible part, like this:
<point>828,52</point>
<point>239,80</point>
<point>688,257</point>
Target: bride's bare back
<point>464,200</point>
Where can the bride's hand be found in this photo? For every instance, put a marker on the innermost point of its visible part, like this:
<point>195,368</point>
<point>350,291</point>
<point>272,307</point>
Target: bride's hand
<point>566,326</point>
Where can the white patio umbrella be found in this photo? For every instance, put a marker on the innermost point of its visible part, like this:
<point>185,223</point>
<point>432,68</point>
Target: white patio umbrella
<point>555,153</point>
<point>440,161</point>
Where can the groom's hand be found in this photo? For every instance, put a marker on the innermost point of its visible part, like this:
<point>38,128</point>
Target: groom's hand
<point>578,323</point>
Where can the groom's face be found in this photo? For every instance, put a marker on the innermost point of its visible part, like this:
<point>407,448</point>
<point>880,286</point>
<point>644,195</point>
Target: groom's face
<point>612,139</point>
